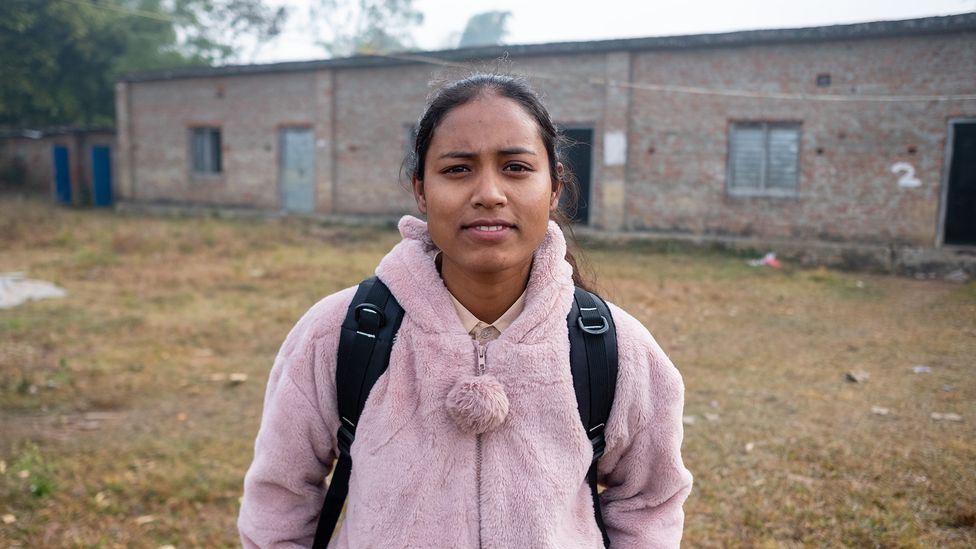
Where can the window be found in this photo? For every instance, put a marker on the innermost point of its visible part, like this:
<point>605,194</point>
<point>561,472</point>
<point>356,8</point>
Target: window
<point>205,150</point>
<point>764,158</point>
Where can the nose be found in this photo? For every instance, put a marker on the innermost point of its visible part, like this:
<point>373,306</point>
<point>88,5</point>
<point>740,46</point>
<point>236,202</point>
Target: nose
<point>489,191</point>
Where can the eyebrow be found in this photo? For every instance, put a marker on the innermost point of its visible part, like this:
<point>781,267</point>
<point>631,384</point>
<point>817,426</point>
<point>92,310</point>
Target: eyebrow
<point>504,152</point>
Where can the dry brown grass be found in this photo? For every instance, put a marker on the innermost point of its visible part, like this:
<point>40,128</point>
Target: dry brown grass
<point>116,401</point>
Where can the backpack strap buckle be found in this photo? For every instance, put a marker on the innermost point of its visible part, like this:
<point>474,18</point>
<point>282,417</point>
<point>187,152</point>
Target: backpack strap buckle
<point>369,318</point>
<point>594,329</point>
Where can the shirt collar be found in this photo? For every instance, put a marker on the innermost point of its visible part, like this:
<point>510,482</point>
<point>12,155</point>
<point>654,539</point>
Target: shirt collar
<point>470,322</point>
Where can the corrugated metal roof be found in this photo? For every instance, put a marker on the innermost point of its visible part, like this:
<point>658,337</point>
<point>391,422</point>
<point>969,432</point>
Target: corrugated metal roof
<point>877,29</point>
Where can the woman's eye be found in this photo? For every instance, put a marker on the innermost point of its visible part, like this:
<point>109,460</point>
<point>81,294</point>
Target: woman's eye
<point>518,168</point>
<point>456,169</point>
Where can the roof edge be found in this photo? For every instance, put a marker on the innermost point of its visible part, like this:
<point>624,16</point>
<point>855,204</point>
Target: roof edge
<point>41,132</point>
<point>964,22</point>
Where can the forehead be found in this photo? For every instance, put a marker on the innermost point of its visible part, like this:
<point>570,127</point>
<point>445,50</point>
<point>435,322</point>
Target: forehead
<point>487,122</point>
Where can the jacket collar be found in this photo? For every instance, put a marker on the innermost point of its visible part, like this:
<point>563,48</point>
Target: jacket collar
<point>410,273</point>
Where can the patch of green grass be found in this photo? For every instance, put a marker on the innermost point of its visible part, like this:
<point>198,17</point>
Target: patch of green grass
<point>88,258</point>
<point>10,326</point>
<point>31,473</point>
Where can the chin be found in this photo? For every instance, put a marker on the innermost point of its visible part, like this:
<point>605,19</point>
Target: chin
<point>488,263</point>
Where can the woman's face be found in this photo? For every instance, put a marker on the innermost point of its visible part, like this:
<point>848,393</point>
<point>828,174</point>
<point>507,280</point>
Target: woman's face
<point>487,189</point>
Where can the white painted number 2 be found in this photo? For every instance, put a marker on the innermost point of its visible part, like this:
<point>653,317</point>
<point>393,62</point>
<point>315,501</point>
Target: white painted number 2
<point>907,171</point>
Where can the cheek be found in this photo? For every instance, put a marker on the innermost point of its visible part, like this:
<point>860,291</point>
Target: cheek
<point>540,205</point>
<point>440,218</point>
<point>438,209</point>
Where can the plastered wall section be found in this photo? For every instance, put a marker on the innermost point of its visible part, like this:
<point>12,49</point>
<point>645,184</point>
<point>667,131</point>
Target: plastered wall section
<point>250,112</point>
<point>678,153</point>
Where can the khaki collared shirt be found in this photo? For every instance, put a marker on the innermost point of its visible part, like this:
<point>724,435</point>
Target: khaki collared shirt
<point>483,332</point>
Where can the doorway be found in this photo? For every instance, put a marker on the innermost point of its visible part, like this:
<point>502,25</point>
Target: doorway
<point>62,174</point>
<point>101,176</point>
<point>960,194</point>
<point>297,170</point>
<point>579,157</point>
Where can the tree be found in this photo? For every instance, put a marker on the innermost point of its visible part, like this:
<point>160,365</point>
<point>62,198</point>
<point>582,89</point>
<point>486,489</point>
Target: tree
<point>56,62</point>
<point>211,29</point>
<point>366,26</point>
<point>59,59</point>
<point>485,29</point>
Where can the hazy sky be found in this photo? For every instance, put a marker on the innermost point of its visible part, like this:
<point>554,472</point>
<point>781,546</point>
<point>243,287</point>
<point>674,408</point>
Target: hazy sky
<point>570,20</point>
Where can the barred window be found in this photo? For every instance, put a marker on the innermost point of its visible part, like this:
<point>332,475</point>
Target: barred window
<point>205,150</point>
<point>764,158</point>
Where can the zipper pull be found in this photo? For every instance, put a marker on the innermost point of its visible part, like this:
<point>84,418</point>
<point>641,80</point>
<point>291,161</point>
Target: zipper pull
<point>481,359</point>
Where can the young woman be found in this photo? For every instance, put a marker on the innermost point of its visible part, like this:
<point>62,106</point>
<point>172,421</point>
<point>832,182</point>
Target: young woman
<point>472,437</point>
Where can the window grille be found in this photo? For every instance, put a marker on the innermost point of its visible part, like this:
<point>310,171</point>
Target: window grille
<point>764,158</point>
<point>205,149</point>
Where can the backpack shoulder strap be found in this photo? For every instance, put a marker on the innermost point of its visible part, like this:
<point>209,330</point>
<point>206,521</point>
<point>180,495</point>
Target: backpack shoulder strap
<point>593,361</point>
<point>365,341</point>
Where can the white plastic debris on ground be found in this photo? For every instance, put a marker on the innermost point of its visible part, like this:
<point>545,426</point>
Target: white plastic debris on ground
<point>15,290</point>
<point>768,260</point>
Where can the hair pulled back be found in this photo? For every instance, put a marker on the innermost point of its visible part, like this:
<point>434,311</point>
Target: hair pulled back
<point>517,89</point>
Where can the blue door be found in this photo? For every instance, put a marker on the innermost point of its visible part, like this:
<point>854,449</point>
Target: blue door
<point>297,170</point>
<point>101,176</point>
<point>62,175</point>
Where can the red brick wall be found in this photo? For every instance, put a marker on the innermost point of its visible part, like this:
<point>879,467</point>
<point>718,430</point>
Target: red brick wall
<point>37,157</point>
<point>676,143</point>
<point>374,109</point>
<point>249,110</point>
<point>678,154</point>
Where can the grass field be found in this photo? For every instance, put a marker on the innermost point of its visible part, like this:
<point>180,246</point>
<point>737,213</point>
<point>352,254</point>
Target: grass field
<point>129,408</point>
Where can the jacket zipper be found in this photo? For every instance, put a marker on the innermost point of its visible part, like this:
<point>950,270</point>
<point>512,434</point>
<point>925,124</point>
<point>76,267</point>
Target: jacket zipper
<point>482,352</point>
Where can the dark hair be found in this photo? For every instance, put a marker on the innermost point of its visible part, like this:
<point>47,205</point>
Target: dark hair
<point>460,92</point>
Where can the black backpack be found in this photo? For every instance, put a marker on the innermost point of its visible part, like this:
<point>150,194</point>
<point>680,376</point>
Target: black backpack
<point>365,343</point>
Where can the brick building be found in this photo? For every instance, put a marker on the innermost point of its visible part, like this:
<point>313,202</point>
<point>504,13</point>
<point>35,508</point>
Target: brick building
<point>861,133</point>
<point>72,164</point>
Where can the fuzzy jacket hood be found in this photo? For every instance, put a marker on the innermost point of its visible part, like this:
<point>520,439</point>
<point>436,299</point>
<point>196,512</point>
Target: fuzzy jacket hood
<point>447,456</point>
<point>411,264</point>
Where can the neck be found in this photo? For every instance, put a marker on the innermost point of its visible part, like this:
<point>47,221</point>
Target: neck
<point>486,295</point>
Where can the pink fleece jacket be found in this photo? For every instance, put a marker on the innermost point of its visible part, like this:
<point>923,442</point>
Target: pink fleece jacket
<point>425,474</point>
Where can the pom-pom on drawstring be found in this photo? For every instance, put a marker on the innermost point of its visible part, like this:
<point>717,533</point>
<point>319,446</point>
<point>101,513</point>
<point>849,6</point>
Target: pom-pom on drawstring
<point>478,404</point>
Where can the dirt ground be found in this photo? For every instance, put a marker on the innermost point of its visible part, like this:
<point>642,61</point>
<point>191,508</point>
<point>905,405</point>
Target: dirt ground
<point>128,409</point>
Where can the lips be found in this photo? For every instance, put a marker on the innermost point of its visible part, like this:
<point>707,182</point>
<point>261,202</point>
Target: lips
<point>488,225</point>
<point>488,230</point>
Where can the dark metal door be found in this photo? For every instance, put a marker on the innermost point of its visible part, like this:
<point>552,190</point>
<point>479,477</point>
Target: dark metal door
<point>960,217</point>
<point>579,158</point>
<point>297,170</point>
<point>62,175</point>
<point>101,176</point>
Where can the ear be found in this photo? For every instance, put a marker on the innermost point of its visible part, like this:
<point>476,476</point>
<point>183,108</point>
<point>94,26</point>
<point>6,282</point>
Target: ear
<point>557,187</point>
<point>418,194</point>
